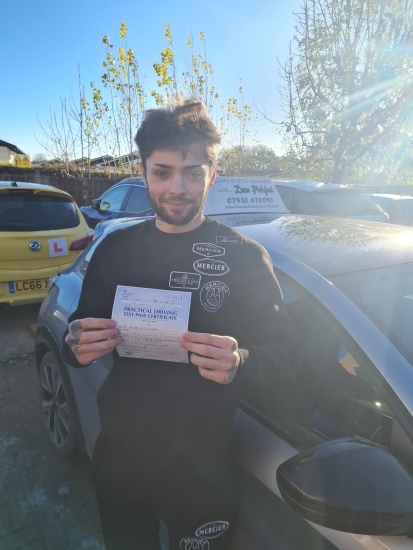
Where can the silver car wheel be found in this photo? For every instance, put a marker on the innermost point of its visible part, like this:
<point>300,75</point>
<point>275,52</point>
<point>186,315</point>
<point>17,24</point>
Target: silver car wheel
<point>54,404</point>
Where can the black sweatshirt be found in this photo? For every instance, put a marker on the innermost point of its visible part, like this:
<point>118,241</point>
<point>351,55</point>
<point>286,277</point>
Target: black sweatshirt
<point>164,413</point>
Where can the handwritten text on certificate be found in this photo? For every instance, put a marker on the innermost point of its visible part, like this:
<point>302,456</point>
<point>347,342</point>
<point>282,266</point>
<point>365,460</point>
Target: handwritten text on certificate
<point>151,322</point>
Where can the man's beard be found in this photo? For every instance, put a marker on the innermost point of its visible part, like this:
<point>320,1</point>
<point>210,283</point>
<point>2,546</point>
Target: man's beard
<point>178,218</point>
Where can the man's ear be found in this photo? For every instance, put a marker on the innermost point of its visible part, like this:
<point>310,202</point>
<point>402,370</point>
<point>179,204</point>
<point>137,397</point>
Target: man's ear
<point>143,175</point>
<point>213,176</point>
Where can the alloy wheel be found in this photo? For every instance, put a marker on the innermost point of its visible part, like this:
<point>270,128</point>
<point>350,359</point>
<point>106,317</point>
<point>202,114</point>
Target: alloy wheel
<point>54,404</point>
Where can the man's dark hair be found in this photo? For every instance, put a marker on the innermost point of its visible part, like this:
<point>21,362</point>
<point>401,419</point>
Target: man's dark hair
<point>176,128</point>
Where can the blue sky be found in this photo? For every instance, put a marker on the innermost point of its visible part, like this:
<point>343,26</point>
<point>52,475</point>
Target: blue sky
<point>42,42</point>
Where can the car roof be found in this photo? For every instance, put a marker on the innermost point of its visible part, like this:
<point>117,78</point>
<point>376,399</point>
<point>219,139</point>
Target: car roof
<point>390,196</point>
<point>329,245</point>
<point>132,180</point>
<point>33,187</point>
<point>310,185</point>
<point>332,246</point>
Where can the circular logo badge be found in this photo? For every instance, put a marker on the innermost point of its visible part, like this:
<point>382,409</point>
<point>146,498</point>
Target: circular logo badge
<point>34,246</point>
<point>213,294</point>
<point>191,543</point>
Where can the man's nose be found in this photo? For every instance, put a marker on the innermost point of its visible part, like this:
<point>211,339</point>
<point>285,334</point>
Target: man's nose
<point>177,186</point>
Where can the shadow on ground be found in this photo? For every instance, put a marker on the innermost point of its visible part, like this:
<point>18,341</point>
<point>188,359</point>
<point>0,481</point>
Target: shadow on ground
<point>46,502</point>
<point>16,336</point>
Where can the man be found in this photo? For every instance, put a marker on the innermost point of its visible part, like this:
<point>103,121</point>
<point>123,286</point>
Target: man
<point>163,448</point>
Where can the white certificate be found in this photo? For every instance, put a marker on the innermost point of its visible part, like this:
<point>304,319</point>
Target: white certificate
<point>151,322</point>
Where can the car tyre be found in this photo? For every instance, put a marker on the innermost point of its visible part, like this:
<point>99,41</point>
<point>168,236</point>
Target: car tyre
<point>57,407</point>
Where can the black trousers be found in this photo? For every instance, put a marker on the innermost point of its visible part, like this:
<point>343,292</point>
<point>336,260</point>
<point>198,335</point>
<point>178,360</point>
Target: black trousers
<point>196,509</point>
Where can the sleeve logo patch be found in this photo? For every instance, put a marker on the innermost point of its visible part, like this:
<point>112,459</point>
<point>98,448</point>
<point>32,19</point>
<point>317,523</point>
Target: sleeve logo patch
<point>213,294</point>
<point>229,240</point>
<point>208,249</point>
<point>192,543</point>
<point>211,267</point>
<point>181,279</point>
<point>212,530</point>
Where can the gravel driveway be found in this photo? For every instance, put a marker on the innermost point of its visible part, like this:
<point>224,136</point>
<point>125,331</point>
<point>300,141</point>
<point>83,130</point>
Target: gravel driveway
<point>46,502</point>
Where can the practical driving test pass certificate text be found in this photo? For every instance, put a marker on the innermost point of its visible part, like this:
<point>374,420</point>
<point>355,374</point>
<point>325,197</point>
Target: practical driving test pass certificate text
<point>151,322</point>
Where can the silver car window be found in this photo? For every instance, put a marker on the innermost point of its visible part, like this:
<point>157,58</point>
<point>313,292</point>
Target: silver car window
<point>115,198</point>
<point>138,200</point>
<point>347,202</point>
<point>331,395</point>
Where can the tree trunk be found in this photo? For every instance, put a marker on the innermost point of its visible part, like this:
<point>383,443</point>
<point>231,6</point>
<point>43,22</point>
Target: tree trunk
<point>338,172</point>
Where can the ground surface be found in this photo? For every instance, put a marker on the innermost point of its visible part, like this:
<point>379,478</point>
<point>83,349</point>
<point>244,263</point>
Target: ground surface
<point>46,502</point>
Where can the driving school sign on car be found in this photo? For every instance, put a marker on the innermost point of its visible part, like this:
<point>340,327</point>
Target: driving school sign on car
<point>232,194</point>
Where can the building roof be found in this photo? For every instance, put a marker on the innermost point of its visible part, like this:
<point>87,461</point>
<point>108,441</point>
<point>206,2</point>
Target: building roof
<point>11,147</point>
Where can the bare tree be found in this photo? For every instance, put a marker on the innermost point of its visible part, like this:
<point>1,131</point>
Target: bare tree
<point>71,135</point>
<point>60,137</point>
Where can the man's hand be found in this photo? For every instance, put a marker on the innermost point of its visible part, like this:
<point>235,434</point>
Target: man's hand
<point>216,357</point>
<point>91,338</point>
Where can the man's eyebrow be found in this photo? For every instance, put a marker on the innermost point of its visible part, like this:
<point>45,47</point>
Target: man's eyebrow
<point>185,167</point>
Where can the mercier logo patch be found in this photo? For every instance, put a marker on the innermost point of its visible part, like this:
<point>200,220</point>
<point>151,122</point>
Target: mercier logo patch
<point>208,249</point>
<point>182,279</point>
<point>211,267</point>
<point>213,294</point>
<point>229,240</point>
<point>212,529</point>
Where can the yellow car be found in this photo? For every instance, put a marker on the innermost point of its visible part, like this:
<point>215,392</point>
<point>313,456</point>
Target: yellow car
<point>41,233</point>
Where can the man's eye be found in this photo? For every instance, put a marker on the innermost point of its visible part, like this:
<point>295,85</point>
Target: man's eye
<point>161,174</point>
<point>194,175</point>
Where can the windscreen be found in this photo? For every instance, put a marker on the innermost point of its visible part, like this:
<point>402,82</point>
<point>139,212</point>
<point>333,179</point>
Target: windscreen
<point>392,302</point>
<point>36,212</point>
<point>347,202</point>
<point>386,296</point>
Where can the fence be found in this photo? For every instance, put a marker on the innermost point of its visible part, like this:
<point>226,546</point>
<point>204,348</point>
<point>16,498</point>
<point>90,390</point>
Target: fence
<point>91,188</point>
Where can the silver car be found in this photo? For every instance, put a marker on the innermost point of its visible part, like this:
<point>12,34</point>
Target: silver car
<point>315,198</point>
<point>398,207</point>
<point>349,286</point>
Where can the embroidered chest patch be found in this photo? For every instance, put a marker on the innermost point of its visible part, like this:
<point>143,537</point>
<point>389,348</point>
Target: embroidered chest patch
<point>211,267</point>
<point>208,249</point>
<point>183,279</point>
<point>213,294</point>
<point>229,240</point>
